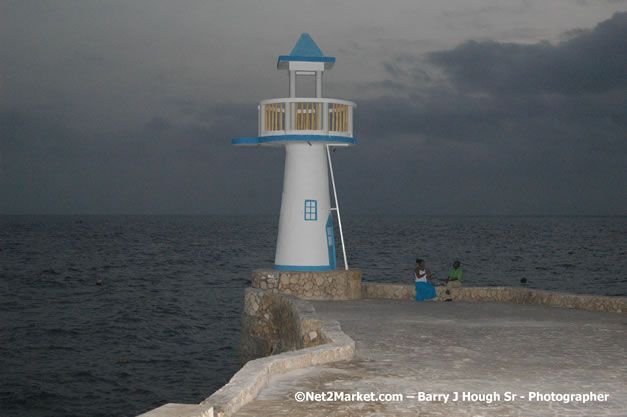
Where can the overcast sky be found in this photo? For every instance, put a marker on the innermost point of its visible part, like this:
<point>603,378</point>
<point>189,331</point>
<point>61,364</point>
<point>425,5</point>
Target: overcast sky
<point>463,106</point>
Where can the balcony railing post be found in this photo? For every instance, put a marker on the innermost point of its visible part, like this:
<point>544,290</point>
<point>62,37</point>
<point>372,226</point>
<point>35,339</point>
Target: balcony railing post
<point>325,117</point>
<point>318,124</point>
<point>350,120</point>
<point>262,117</point>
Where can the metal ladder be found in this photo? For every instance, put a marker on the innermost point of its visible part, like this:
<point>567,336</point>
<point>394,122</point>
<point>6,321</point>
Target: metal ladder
<point>337,207</point>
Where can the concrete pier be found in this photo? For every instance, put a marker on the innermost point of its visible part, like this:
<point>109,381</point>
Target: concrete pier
<point>493,351</point>
<point>483,353</point>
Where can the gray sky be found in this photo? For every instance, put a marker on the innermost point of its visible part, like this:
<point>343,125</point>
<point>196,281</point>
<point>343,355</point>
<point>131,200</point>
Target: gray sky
<point>464,106</point>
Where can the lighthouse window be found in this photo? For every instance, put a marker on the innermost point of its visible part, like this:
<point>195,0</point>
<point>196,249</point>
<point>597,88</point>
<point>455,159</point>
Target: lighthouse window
<point>311,209</point>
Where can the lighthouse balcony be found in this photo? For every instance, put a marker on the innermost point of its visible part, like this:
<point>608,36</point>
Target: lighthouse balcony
<point>306,116</point>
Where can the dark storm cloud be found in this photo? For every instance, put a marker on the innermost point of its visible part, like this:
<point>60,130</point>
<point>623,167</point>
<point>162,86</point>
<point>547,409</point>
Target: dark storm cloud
<point>392,69</point>
<point>591,61</point>
<point>512,128</point>
<point>492,88</point>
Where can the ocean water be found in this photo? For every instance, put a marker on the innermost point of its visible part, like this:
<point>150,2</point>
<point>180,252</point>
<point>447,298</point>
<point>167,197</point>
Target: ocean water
<point>116,315</point>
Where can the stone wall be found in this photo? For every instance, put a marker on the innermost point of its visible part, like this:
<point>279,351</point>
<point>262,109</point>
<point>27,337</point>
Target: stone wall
<point>254,376</point>
<point>273,323</point>
<point>337,284</point>
<point>502,294</point>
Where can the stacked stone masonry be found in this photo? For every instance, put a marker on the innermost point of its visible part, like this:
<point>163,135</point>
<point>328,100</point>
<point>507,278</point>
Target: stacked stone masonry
<point>320,285</point>
<point>502,294</point>
<point>273,323</point>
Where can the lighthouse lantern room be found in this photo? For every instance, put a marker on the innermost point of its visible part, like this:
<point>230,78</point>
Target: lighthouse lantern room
<point>306,127</point>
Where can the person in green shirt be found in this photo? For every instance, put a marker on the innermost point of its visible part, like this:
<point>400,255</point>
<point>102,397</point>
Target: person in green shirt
<point>455,277</point>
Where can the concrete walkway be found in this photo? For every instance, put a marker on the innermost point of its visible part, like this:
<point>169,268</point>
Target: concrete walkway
<point>485,350</point>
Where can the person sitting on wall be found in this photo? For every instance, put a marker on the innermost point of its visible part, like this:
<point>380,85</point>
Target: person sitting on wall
<point>424,289</point>
<point>455,277</point>
<point>454,280</point>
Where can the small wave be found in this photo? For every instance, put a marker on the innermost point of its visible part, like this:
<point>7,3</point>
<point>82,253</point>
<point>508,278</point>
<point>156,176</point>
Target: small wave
<point>58,347</point>
<point>62,332</point>
<point>225,348</point>
<point>84,374</point>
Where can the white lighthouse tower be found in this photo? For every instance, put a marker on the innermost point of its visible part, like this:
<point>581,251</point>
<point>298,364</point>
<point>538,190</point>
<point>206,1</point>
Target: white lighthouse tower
<point>306,127</point>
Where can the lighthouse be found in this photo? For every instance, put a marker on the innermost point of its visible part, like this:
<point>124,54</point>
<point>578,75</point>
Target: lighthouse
<point>307,127</point>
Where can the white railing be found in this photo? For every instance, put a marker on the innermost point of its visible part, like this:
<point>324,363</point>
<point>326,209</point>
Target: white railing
<point>306,116</point>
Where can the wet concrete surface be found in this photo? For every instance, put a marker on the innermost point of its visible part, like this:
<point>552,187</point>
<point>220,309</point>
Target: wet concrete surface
<point>462,359</point>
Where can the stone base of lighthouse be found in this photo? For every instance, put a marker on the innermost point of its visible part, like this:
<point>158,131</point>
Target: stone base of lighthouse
<point>337,284</point>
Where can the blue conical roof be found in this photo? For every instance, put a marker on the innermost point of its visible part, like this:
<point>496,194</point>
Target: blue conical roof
<point>306,47</point>
<point>306,50</point>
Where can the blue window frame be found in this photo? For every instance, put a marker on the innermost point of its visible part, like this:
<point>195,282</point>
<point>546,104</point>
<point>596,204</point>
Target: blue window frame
<point>311,210</point>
